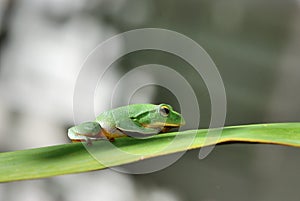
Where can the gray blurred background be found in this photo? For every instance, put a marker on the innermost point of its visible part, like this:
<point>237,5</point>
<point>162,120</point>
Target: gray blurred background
<point>255,45</point>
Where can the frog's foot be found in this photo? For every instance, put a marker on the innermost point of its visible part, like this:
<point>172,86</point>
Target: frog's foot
<point>165,129</point>
<point>87,131</point>
<point>111,139</point>
<point>89,142</point>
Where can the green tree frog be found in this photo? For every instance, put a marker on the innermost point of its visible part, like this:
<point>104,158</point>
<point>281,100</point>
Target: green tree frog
<point>141,119</point>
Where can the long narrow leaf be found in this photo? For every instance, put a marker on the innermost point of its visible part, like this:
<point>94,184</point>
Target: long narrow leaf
<point>74,158</point>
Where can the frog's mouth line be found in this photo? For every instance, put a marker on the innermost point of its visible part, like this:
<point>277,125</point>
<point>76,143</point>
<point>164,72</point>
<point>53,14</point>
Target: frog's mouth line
<point>159,125</point>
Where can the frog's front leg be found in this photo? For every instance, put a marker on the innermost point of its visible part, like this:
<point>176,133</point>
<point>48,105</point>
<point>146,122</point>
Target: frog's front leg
<point>86,132</point>
<point>135,129</point>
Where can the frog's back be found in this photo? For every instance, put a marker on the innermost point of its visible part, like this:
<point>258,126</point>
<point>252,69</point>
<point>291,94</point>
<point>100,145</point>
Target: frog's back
<point>112,117</point>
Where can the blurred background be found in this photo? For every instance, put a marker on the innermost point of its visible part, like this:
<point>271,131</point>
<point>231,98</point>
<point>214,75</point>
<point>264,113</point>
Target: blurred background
<point>254,44</point>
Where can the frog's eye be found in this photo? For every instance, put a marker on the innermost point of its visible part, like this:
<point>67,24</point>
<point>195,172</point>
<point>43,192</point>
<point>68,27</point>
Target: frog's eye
<point>164,111</point>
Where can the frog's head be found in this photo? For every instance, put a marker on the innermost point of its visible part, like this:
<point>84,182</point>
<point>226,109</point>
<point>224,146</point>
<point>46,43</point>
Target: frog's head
<point>162,116</point>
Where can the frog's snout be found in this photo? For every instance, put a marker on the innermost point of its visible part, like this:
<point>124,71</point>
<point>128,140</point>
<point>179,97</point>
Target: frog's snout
<point>182,123</point>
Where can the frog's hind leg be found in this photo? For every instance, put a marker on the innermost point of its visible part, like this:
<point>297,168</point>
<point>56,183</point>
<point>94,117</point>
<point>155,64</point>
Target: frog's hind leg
<point>86,132</point>
<point>111,134</point>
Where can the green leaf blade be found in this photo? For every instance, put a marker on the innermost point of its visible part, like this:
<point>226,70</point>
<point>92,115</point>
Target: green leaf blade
<point>74,158</point>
